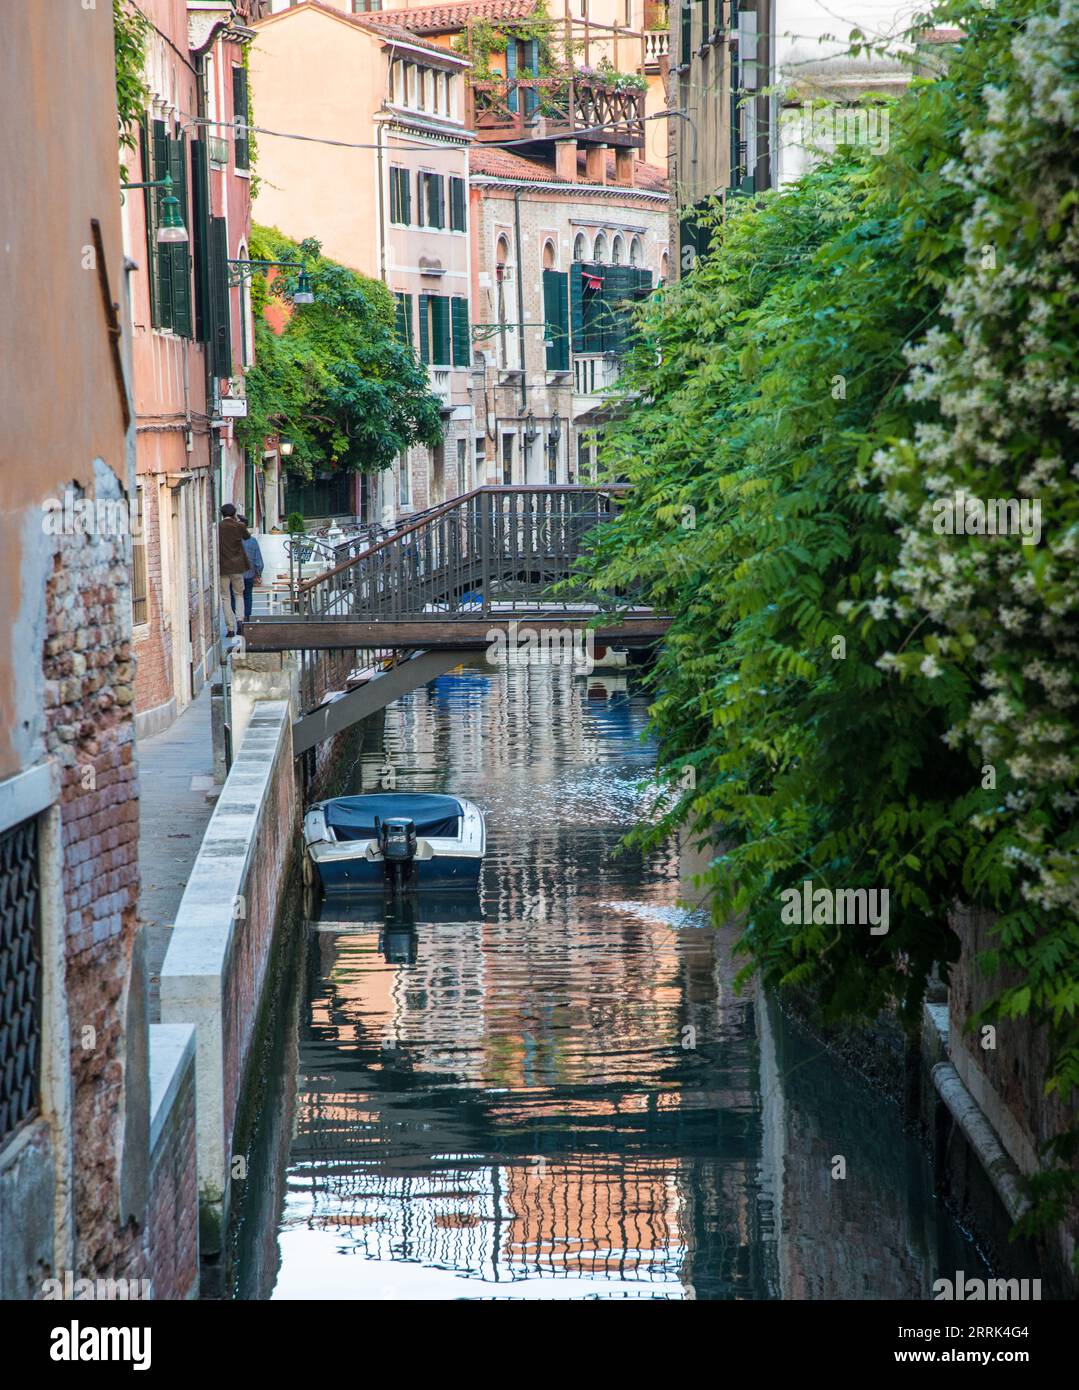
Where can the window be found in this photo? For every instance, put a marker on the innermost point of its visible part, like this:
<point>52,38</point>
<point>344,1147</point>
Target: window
<point>20,970</point>
<point>686,46</point>
<point>600,302</point>
<point>435,336</point>
<point>431,190</point>
<point>618,250</point>
<point>664,268</point>
<point>556,319</point>
<point>240,115</point>
<point>404,317</point>
<point>404,481</point>
<point>170,265</point>
<point>580,247</point>
<point>400,196</point>
<point>507,459</point>
<point>462,466</point>
<point>457,205</point>
<point>366,6</point>
<point>599,251</point>
<point>501,275</point>
<point>139,590</point>
<point>635,251</point>
<point>548,254</point>
<point>584,459</point>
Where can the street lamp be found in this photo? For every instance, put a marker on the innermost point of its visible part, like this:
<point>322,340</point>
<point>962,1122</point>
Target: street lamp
<point>172,231</point>
<point>239,270</point>
<point>285,447</point>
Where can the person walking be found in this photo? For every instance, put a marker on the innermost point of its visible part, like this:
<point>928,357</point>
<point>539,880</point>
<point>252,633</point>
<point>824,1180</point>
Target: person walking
<point>232,563</point>
<point>253,573</point>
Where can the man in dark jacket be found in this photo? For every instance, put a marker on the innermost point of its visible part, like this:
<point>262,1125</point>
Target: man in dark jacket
<point>232,561</point>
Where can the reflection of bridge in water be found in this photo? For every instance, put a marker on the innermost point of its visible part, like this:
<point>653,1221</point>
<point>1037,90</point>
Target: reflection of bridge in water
<point>420,601</point>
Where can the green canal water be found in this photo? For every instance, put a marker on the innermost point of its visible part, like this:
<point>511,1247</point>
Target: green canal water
<point>553,1091</point>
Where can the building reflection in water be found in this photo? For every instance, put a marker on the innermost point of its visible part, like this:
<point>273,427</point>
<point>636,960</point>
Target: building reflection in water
<point>555,1091</point>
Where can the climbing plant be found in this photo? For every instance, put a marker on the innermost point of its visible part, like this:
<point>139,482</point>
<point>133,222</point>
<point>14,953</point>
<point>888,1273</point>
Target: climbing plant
<point>130,30</point>
<point>336,379</point>
<point>848,695</point>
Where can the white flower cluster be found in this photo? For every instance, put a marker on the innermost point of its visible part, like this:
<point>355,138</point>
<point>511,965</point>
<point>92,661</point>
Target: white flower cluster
<point>1002,386</point>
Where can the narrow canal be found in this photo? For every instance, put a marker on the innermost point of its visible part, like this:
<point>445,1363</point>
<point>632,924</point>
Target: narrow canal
<point>553,1091</point>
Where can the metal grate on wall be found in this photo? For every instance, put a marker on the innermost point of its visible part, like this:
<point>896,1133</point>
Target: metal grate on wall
<point>20,976</point>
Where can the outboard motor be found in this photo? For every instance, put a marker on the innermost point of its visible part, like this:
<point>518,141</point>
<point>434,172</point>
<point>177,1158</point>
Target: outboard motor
<point>397,843</point>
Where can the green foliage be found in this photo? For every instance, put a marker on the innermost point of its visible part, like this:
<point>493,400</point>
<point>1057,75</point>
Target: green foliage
<point>793,407</point>
<point>294,523</point>
<point>337,381</point>
<point>130,29</point>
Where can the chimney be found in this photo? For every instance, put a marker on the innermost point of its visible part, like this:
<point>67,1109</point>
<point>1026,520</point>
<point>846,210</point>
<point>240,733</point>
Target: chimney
<point>565,160</point>
<point>596,164</point>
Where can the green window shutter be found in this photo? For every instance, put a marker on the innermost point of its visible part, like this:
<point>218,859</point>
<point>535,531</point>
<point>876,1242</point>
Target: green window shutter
<point>554,314</point>
<point>619,284</point>
<point>425,328</point>
<point>440,330</point>
<point>512,99</point>
<point>531,62</point>
<point>457,204</point>
<point>687,33</point>
<point>220,319</point>
<point>576,286</point>
<point>162,255</point>
<point>240,111</point>
<point>404,317</point>
<point>198,233</point>
<point>704,20</point>
<point>404,178</point>
<point>461,336</point>
<point>436,196</point>
<point>149,200</point>
<point>395,194</point>
<point>182,320</point>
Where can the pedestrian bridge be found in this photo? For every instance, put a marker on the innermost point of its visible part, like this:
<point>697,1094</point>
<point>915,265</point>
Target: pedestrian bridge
<point>422,600</point>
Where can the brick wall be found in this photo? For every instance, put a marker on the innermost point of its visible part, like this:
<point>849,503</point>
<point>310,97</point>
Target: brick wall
<point>89,698</point>
<point>172,1217</point>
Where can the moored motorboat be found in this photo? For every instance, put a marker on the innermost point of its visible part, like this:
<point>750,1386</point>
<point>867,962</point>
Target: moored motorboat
<point>393,841</point>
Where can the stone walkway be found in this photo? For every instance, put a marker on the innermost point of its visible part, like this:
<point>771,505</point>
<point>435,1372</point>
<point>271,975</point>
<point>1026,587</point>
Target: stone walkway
<point>176,798</point>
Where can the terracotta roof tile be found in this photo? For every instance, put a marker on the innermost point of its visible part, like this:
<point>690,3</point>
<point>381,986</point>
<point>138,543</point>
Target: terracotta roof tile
<point>504,164</point>
<point>448,19</point>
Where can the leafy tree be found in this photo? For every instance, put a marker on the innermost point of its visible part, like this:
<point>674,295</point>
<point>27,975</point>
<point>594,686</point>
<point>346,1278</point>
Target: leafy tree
<point>837,675</point>
<point>337,380</point>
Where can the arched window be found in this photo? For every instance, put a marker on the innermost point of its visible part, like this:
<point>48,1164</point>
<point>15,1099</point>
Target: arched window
<point>548,255</point>
<point>599,250</point>
<point>502,255</point>
<point>580,247</point>
<point>635,251</point>
<point>618,251</point>
<point>664,268</point>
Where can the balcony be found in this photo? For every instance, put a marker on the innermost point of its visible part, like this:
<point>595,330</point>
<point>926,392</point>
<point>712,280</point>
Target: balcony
<point>562,107</point>
<point>657,45</point>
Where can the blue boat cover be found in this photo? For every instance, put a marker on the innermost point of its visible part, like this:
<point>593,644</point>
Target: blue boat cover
<point>353,817</point>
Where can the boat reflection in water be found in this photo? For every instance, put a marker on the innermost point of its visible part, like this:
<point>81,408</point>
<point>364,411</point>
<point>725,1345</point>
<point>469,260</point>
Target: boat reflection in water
<point>554,1091</point>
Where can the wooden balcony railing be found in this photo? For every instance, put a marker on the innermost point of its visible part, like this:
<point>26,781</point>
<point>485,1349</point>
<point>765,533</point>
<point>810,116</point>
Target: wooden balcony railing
<point>554,108</point>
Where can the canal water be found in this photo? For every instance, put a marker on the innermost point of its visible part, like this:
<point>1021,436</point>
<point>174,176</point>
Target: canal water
<point>553,1090</point>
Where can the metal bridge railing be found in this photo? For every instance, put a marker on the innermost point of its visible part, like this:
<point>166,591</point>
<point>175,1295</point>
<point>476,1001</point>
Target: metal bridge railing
<point>493,549</point>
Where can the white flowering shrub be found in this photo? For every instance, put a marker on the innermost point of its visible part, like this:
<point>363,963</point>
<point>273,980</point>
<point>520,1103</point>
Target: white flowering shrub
<point>998,384</point>
<point>863,697</point>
